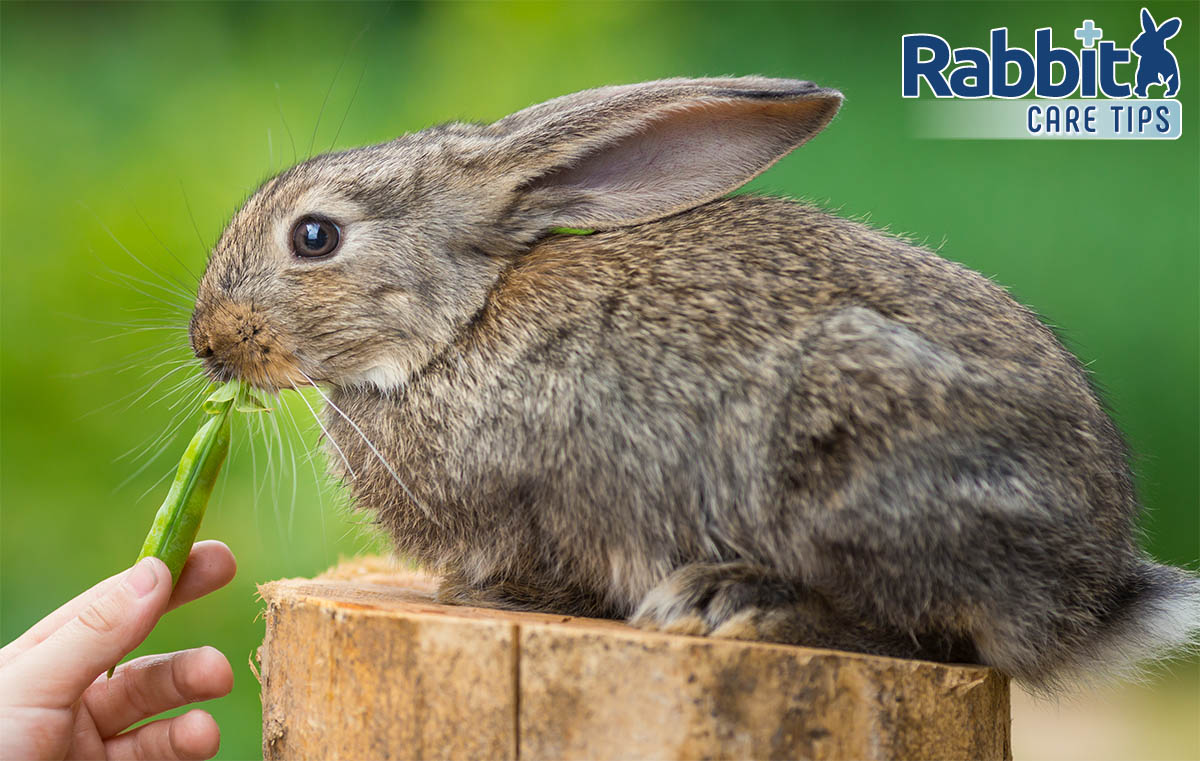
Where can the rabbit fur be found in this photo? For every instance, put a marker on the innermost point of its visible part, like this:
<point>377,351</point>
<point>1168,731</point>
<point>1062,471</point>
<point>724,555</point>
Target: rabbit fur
<point>731,416</point>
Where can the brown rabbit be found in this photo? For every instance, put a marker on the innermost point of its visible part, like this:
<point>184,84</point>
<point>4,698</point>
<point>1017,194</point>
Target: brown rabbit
<point>741,417</point>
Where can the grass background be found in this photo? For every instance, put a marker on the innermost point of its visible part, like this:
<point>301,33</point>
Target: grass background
<point>139,118</point>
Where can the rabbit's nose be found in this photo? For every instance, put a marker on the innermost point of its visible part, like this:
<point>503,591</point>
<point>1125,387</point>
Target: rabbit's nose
<point>236,340</point>
<point>218,367</point>
<point>215,334</point>
<point>198,333</point>
<point>203,349</point>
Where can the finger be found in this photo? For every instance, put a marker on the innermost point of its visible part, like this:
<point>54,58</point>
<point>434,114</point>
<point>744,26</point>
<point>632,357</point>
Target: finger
<point>148,686</point>
<point>51,623</point>
<point>57,670</point>
<point>85,741</point>
<point>194,735</point>
<point>209,567</point>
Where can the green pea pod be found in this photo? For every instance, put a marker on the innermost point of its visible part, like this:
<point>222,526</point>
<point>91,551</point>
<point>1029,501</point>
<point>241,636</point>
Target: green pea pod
<point>178,518</point>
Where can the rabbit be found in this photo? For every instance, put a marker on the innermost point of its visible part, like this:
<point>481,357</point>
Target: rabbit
<point>567,373</point>
<point>1156,64</point>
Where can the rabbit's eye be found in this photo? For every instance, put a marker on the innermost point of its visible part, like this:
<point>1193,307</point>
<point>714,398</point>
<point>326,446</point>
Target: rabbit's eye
<point>313,237</point>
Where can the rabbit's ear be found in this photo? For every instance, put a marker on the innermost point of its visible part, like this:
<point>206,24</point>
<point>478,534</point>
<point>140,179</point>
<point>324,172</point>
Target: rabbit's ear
<point>625,155</point>
<point>1170,28</point>
<point>1148,24</point>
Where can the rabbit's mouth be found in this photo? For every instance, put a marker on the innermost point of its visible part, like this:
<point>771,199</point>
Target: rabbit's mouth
<point>235,341</point>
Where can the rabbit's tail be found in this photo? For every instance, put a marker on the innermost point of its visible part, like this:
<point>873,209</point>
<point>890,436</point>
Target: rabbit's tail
<point>1157,617</point>
<point>1161,619</point>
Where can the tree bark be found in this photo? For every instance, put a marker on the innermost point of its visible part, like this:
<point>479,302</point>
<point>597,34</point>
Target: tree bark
<point>360,663</point>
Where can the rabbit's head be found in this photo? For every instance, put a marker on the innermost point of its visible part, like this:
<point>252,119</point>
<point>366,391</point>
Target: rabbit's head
<point>1153,39</point>
<point>358,267</point>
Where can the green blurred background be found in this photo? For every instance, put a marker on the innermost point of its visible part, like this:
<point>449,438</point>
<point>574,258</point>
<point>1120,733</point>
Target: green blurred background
<point>137,118</point>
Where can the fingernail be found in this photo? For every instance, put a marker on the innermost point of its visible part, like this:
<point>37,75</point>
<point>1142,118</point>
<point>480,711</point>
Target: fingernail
<point>143,578</point>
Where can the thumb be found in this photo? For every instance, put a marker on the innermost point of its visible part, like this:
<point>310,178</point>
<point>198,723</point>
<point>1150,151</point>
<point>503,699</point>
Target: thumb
<point>57,671</point>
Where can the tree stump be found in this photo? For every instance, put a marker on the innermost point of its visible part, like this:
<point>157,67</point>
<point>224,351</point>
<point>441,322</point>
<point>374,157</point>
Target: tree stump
<point>360,663</point>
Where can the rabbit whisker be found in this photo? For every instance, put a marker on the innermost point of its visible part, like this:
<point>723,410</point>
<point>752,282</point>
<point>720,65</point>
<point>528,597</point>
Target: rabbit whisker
<point>318,480</point>
<point>189,270</point>
<point>169,287</point>
<point>282,118</point>
<point>188,205</point>
<point>392,471</point>
<point>178,308</point>
<point>349,106</point>
<point>325,431</point>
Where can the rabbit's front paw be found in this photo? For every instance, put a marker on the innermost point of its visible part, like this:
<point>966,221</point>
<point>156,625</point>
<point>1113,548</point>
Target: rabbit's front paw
<point>735,600</point>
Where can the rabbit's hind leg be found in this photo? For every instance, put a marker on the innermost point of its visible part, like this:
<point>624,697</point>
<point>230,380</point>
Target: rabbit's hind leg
<point>529,593</point>
<point>700,597</point>
<point>745,601</point>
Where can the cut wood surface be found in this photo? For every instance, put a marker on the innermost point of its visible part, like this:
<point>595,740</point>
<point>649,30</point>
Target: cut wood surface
<point>360,663</point>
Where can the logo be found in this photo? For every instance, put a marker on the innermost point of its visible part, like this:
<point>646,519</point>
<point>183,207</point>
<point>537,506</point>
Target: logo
<point>1070,86</point>
<point>1156,64</point>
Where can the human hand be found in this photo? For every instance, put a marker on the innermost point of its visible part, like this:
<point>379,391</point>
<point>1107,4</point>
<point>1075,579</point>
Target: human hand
<point>56,701</point>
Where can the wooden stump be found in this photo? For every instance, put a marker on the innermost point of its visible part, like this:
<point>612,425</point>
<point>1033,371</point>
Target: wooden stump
<point>359,663</point>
